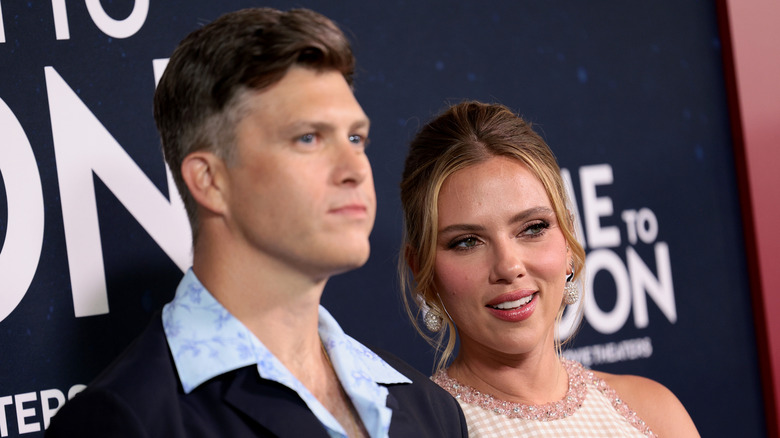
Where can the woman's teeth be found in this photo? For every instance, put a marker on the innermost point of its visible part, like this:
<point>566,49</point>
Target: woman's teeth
<point>513,304</point>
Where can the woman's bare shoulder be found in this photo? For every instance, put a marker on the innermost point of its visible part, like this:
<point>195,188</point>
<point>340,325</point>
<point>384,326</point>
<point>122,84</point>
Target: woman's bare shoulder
<point>654,403</point>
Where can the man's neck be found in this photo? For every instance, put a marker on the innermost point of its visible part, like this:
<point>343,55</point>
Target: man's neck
<point>279,305</point>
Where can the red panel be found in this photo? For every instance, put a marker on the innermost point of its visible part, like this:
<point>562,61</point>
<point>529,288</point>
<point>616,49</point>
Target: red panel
<point>752,56</point>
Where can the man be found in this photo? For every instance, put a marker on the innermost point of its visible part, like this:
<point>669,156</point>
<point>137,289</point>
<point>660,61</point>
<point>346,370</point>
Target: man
<point>266,142</point>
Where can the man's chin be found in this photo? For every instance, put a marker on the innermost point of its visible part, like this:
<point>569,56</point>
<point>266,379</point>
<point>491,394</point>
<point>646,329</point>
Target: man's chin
<point>350,262</point>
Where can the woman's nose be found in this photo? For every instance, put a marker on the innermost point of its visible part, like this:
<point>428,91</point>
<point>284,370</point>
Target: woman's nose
<point>507,263</point>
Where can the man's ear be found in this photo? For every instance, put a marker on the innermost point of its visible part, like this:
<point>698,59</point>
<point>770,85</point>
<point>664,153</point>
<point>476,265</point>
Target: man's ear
<point>204,173</point>
<point>411,259</point>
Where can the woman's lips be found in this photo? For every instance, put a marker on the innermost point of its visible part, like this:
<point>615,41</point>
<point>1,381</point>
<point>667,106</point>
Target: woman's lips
<point>514,307</point>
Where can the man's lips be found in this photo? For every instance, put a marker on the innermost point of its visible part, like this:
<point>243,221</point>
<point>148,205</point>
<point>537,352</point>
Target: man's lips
<point>350,209</point>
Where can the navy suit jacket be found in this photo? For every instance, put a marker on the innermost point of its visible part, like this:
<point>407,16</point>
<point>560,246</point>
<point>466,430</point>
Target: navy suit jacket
<point>140,395</point>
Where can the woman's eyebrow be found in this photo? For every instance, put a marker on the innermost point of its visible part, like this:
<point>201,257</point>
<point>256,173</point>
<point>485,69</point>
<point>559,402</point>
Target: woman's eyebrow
<point>519,217</point>
<point>535,211</point>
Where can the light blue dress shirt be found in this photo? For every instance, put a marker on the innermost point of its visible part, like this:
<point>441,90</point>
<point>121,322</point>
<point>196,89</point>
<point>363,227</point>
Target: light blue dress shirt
<point>207,341</point>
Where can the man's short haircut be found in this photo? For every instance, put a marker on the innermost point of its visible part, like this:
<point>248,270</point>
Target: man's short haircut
<point>198,101</point>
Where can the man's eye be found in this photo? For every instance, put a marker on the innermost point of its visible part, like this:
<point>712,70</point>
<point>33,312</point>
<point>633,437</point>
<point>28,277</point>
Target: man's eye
<point>307,138</point>
<point>357,139</point>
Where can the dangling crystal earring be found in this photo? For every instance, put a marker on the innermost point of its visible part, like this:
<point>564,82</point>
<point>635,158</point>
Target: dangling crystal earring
<point>570,293</point>
<point>433,321</point>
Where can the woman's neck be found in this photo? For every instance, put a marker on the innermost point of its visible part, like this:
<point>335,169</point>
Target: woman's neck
<point>530,378</point>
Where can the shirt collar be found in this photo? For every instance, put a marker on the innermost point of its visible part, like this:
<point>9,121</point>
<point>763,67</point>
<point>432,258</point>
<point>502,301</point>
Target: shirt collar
<point>360,372</point>
<point>207,341</point>
<point>349,355</point>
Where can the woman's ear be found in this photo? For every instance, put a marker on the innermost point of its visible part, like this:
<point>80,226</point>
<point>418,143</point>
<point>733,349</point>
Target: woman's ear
<point>411,259</point>
<point>204,174</point>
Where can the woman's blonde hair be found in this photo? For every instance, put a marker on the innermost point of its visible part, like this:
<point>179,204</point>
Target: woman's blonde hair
<point>465,134</point>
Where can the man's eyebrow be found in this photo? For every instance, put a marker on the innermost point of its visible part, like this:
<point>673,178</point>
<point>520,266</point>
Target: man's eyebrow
<point>303,125</point>
<point>362,123</point>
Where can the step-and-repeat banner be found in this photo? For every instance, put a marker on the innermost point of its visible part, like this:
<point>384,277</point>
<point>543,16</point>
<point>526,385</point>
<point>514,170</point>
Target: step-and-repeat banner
<point>630,96</point>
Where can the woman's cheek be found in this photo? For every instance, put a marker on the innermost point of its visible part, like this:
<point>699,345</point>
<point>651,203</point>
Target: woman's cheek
<point>454,278</point>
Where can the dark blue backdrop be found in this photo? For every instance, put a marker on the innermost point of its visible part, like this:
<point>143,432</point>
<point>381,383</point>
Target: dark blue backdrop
<point>630,96</point>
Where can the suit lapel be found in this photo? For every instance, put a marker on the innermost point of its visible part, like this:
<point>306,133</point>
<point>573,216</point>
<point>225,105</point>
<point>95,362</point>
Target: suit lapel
<point>400,418</point>
<point>274,406</point>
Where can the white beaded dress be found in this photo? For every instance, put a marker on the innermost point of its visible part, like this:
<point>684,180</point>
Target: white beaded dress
<point>591,408</point>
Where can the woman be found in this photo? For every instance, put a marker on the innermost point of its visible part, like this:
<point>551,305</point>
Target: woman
<point>491,246</point>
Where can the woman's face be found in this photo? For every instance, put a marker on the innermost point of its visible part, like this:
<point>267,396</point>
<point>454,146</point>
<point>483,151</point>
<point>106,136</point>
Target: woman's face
<point>501,259</point>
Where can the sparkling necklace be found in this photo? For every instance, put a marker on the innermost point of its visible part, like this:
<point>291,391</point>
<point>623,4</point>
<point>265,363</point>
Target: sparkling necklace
<point>579,379</point>
<point>563,408</point>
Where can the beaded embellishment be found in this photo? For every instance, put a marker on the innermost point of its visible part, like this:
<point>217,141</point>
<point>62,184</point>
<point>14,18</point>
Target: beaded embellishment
<point>579,379</point>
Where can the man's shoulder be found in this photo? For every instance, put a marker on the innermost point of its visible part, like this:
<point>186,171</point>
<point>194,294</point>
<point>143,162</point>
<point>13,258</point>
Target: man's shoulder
<point>400,365</point>
<point>421,408</point>
<point>145,365</point>
<point>132,389</point>
<point>421,384</point>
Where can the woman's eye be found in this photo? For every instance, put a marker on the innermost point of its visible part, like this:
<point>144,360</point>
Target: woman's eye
<point>465,243</point>
<point>536,229</point>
